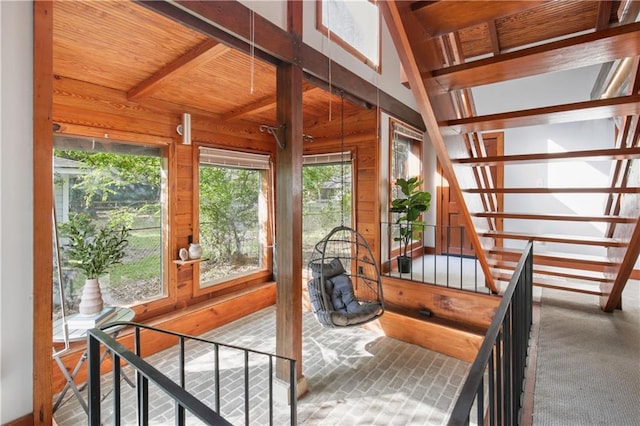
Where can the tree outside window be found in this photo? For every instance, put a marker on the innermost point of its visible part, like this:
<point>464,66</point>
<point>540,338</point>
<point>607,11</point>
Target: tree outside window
<point>112,183</point>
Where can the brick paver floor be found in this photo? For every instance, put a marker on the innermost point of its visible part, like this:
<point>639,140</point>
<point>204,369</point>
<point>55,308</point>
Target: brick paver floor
<point>356,376</point>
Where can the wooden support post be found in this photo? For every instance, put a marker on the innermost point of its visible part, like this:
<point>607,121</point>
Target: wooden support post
<point>42,211</point>
<point>288,218</point>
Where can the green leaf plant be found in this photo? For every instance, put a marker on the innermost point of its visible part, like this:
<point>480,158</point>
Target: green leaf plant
<point>91,249</point>
<point>409,207</point>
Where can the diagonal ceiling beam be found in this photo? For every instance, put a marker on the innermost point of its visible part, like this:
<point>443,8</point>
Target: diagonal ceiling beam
<point>199,55</point>
<point>575,52</point>
<point>266,103</point>
<point>579,111</point>
<point>399,33</point>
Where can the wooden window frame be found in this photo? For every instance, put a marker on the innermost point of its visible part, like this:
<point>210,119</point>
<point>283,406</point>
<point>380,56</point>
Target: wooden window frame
<point>346,45</point>
<point>265,272</point>
<point>149,308</point>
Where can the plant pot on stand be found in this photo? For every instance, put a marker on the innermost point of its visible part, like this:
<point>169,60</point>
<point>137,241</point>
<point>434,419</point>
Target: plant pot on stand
<point>91,300</point>
<point>93,250</point>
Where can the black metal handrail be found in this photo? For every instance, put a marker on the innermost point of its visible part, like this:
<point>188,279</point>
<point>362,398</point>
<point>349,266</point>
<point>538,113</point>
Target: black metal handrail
<point>502,357</point>
<point>184,401</point>
<point>451,267</point>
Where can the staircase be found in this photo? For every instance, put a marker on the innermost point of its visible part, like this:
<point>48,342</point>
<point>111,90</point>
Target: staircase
<point>487,67</point>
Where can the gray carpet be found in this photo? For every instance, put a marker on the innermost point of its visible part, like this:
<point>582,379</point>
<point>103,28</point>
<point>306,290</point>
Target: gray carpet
<point>588,369</point>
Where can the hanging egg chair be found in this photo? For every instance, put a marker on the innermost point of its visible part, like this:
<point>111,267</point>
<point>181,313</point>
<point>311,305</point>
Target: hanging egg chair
<point>346,289</point>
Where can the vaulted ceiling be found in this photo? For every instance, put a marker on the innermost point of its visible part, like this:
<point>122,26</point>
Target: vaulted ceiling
<point>451,49</point>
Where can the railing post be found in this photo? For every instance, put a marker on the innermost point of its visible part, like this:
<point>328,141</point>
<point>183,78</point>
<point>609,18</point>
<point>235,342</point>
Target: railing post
<point>93,368</point>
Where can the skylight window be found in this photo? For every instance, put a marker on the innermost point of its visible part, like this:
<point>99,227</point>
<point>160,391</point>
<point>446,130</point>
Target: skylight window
<point>354,24</point>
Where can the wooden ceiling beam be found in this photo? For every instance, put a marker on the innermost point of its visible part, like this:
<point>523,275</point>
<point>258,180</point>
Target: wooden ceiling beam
<point>264,104</point>
<point>194,58</point>
<point>604,15</point>
<point>493,36</point>
<point>575,52</point>
<point>443,17</point>
<point>579,111</point>
<point>594,155</point>
<point>228,22</point>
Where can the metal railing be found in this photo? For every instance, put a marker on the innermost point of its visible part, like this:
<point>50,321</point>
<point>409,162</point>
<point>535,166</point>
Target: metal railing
<point>202,395</point>
<point>492,393</point>
<point>439,257</point>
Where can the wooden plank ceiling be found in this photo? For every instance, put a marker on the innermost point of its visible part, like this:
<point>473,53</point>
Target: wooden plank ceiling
<point>159,62</point>
<point>450,48</point>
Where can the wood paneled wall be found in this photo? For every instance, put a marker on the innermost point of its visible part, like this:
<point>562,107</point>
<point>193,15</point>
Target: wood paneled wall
<point>88,110</point>
<point>361,138</point>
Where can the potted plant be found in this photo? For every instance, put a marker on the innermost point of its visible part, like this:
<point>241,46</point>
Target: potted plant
<point>94,251</point>
<point>409,208</point>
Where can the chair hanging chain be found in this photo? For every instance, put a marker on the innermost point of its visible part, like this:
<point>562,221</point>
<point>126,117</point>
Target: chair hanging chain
<point>342,157</point>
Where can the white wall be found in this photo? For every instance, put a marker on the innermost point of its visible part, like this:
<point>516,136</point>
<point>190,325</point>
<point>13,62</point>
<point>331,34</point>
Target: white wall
<point>16,209</point>
<point>539,91</point>
<point>389,81</point>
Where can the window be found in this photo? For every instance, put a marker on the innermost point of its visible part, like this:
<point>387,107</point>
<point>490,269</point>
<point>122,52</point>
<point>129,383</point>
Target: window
<point>354,24</point>
<point>326,197</point>
<point>112,182</point>
<point>233,214</point>
<point>405,157</point>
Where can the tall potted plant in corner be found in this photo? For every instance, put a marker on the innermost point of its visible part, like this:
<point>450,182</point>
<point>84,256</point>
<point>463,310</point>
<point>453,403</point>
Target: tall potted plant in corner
<point>409,208</point>
<point>94,251</point>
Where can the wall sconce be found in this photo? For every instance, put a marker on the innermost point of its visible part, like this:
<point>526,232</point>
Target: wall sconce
<point>184,129</point>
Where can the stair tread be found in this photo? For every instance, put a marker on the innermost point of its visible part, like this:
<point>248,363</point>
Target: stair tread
<point>555,271</point>
<point>568,239</point>
<point>577,257</point>
<point>560,285</point>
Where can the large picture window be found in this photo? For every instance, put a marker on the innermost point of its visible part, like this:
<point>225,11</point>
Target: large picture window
<point>354,24</point>
<point>112,182</point>
<point>327,195</point>
<point>233,214</point>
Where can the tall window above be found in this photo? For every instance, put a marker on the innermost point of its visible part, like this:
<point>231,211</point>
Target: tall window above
<point>120,183</point>
<point>233,214</point>
<point>405,156</point>
<point>354,24</point>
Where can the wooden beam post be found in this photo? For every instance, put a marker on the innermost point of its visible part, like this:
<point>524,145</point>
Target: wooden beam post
<point>288,218</point>
<point>42,211</point>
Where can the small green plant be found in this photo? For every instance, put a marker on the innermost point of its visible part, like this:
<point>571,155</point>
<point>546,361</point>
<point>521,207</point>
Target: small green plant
<point>91,249</point>
<point>409,207</point>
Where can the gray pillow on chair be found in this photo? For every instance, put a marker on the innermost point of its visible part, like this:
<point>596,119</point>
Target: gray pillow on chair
<point>327,270</point>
